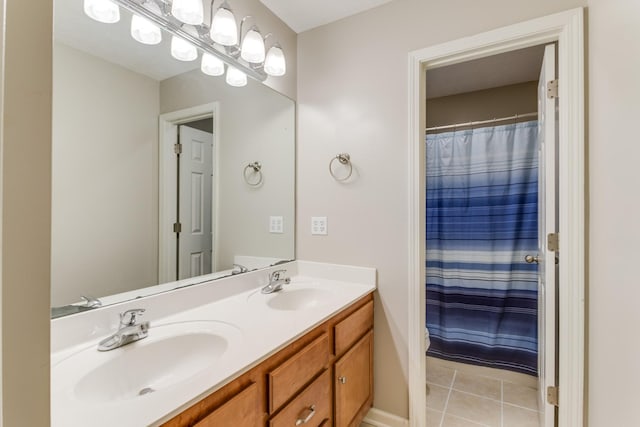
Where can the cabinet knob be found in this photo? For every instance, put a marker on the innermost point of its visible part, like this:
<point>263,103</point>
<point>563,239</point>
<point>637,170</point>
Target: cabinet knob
<point>306,415</point>
<point>342,380</point>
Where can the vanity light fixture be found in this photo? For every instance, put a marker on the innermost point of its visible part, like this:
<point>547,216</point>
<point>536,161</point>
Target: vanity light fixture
<point>224,29</point>
<point>235,77</point>
<point>218,39</point>
<point>275,63</point>
<point>188,11</point>
<point>252,47</point>
<point>145,31</point>
<point>211,65</point>
<point>182,50</point>
<point>104,11</point>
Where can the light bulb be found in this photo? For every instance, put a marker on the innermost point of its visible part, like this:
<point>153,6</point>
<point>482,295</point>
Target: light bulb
<point>145,31</point>
<point>236,77</point>
<point>224,29</point>
<point>275,64</point>
<point>182,50</point>
<point>102,10</point>
<point>188,11</point>
<point>252,49</point>
<point>211,65</point>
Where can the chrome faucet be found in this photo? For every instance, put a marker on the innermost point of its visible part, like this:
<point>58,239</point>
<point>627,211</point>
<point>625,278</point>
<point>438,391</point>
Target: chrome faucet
<point>128,332</point>
<point>276,281</point>
<point>90,301</point>
<point>240,269</point>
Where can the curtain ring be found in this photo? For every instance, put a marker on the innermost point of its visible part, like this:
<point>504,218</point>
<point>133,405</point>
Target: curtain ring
<point>257,169</point>
<point>344,159</point>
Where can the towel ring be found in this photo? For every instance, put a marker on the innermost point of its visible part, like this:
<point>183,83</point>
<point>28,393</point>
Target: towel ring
<point>257,170</point>
<point>344,159</point>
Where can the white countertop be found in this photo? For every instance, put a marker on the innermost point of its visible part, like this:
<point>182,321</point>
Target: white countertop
<point>258,332</point>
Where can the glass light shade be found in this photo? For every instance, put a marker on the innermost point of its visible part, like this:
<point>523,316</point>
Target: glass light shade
<point>102,10</point>
<point>188,11</point>
<point>236,77</point>
<point>145,31</point>
<point>182,50</point>
<point>211,65</point>
<point>252,49</point>
<point>224,29</point>
<point>275,64</point>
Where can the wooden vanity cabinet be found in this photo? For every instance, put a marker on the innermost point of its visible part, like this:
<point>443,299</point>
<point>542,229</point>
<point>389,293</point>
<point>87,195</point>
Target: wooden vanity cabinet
<point>323,379</point>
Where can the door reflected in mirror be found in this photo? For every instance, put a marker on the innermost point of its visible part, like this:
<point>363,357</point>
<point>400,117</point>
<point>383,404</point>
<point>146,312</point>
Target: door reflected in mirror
<point>151,183</point>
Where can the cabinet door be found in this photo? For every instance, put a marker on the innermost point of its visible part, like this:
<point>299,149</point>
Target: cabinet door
<point>354,381</point>
<point>241,411</point>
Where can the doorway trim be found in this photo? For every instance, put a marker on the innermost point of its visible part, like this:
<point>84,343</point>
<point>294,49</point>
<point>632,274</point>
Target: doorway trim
<point>566,28</point>
<point>167,178</point>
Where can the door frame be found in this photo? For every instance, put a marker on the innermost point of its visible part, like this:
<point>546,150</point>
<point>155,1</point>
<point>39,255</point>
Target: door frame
<point>167,179</point>
<point>566,28</point>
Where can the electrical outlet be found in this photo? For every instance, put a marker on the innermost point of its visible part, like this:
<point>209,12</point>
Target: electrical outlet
<point>319,225</point>
<point>276,224</point>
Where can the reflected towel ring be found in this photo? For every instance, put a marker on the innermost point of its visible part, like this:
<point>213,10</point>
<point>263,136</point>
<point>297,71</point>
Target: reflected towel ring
<point>257,169</point>
<point>344,159</point>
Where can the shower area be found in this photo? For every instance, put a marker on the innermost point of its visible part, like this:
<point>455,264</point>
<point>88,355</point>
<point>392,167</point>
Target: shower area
<point>482,215</point>
<point>487,204</point>
<point>482,221</point>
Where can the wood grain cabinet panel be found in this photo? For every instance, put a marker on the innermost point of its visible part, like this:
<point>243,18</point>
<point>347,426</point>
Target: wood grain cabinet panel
<point>352,328</point>
<point>354,383</point>
<point>295,373</point>
<point>241,411</point>
<point>311,408</point>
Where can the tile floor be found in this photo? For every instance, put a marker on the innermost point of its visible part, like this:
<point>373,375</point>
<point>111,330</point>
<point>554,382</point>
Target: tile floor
<point>461,399</point>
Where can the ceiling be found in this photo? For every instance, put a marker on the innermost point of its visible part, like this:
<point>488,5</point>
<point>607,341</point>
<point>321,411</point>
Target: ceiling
<point>303,15</point>
<point>517,66</point>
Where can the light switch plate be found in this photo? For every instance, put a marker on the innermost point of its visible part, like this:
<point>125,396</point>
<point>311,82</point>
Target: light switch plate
<point>276,224</point>
<point>319,225</point>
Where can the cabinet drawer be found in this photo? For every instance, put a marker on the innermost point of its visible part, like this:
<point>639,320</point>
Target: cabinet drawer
<point>313,405</point>
<point>353,327</point>
<point>241,411</point>
<point>292,375</point>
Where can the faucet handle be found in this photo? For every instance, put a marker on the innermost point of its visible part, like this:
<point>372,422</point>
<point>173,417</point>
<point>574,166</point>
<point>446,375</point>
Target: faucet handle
<point>277,275</point>
<point>128,318</point>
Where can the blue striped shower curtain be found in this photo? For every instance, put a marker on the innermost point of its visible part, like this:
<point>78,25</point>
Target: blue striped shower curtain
<point>482,219</point>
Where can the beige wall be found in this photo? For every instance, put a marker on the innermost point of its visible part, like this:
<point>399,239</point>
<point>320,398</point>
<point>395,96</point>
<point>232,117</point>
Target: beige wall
<point>352,95</point>
<point>256,124</point>
<point>488,104</point>
<point>614,209</point>
<point>26,211</point>
<point>104,183</point>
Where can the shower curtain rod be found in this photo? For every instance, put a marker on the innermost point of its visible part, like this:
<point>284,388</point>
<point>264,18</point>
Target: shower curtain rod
<point>482,122</point>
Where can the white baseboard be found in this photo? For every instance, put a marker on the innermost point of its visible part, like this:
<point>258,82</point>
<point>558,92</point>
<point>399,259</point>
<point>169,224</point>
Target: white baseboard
<point>377,418</point>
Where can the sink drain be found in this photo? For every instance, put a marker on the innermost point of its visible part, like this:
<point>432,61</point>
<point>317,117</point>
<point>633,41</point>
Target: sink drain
<point>145,390</point>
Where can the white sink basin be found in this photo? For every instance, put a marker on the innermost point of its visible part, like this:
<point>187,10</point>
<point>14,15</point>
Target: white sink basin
<point>298,299</point>
<point>170,355</point>
<point>295,296</point>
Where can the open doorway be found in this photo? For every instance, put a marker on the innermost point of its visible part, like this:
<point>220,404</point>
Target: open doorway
<point>567,29</point>
<point>490,203</point>
<point>188,191</point>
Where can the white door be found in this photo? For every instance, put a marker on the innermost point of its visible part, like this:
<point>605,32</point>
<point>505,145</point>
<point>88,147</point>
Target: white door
<point>195,199</point>
<point>547,320</point>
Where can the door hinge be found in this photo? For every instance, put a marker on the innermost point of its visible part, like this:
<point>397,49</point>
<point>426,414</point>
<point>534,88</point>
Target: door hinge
<point>552,395</point>
<point>553,242</point>
<point>552,89</point>
<point>177,148</point>
<point>177,227</point>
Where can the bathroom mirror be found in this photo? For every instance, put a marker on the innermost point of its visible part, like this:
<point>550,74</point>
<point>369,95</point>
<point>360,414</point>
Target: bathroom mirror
<point>132,215</point>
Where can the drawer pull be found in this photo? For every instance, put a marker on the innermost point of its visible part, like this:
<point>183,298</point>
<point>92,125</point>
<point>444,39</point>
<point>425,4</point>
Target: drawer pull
<point>305,419</point>
<point>343,380</point>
